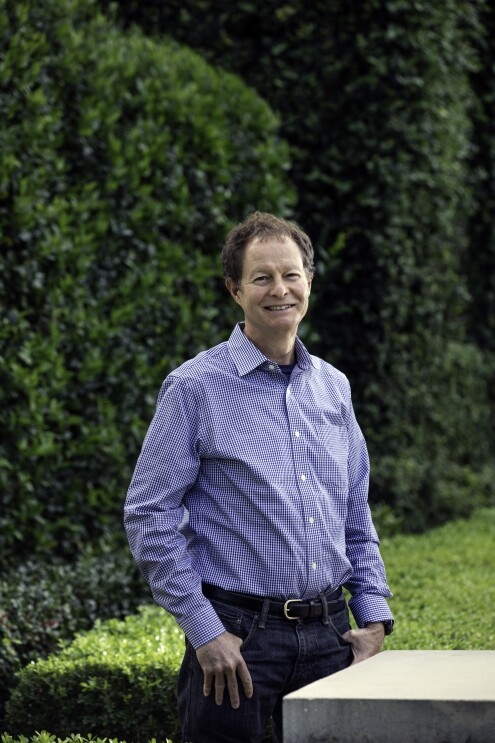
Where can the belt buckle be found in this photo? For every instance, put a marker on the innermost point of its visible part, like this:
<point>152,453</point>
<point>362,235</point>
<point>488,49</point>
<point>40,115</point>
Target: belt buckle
<point>287,607</point>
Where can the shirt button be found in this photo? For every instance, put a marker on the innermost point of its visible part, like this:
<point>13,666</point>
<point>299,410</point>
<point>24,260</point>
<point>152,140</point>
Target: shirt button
<point>313,565</point>
<point>311,520</point>
<point>303,477</point>
<point>271,367</point>
<point>297,434</point>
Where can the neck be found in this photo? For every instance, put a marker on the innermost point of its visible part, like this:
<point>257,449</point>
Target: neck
<point>279,350</point>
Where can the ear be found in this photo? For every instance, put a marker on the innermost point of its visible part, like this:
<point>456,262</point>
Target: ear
<point>233,289</point>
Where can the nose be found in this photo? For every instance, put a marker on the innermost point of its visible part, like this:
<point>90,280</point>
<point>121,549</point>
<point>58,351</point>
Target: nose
<point>279,289</point>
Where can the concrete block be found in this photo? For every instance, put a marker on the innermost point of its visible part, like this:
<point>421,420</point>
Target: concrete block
<point>399,696</point>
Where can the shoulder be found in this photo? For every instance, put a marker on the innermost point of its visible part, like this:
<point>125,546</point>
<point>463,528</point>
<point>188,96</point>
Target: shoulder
<point>330,373</point>
<point>208,361</point>
<point>197,373</point>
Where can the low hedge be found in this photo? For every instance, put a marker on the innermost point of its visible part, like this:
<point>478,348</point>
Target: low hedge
<point>44,604</point>
<point>45,737</point>
<point>119,679</point>
<point>121,673</point>
<point>443,586</point>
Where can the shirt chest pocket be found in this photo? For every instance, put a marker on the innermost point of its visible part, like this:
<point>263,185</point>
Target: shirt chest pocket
<point>328,449</point>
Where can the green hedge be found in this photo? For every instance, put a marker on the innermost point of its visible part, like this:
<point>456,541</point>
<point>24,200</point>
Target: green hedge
<point>124,163</point>
<point>116,681</point>
<point>119,679</point>
<point>44,604</point>
<point>46,737</point>
<point>443,592</point>
<point>479,264</point>
<point>377,102</point>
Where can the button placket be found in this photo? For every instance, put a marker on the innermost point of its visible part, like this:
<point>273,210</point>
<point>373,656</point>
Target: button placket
<point>302,472</point>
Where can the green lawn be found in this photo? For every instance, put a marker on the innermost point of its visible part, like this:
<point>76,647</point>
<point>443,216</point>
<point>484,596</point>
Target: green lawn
<point>444,586</point>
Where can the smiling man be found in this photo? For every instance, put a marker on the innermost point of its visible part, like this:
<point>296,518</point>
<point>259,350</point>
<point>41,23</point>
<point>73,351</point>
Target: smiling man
<point>273,291</point>
<point>248,513</point>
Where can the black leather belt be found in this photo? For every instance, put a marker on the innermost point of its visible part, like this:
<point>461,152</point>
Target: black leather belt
<point>290,609</point>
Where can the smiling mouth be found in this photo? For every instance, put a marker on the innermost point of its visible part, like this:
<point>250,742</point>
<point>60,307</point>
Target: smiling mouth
<point>279,307</point>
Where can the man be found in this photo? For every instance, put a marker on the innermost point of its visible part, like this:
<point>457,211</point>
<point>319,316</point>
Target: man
<point>247,511</point>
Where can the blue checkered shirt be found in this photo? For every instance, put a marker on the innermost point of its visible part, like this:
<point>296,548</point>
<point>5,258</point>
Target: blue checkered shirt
<point>254,483</point>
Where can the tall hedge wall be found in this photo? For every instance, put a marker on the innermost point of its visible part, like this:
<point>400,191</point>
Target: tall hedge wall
<point>480,259</point>
<point>377,103</point>
<point>124,162</point>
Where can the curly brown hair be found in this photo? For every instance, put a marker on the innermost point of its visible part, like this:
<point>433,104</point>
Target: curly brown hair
<point>262,226</point>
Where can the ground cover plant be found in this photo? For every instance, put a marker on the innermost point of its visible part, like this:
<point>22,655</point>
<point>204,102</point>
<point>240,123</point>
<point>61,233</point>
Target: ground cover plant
<point>119,679</point>
<point>444,592</point>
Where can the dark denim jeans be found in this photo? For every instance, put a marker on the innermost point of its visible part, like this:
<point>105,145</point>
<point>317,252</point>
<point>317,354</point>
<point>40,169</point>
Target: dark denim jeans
<point>281,655</point>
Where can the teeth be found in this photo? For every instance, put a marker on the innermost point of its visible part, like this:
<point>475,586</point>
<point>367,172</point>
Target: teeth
<point>281,307</point>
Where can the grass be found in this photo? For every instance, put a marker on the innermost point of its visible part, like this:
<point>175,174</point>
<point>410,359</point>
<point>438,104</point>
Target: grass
<point>443,583</point>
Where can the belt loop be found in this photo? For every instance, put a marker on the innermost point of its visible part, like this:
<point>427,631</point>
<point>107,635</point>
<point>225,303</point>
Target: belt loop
<point>264,613</point>
<point>324,605</point>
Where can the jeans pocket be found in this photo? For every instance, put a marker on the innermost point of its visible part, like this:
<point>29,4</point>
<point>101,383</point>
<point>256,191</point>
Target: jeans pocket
<point>339,622</point>
<point>237,621</point>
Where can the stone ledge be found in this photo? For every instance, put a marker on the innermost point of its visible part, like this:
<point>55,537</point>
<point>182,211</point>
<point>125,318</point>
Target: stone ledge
<point>399,696</point>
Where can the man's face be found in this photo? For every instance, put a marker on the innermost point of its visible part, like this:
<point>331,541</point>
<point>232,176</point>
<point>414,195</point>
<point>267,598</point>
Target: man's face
<point>274,289</point>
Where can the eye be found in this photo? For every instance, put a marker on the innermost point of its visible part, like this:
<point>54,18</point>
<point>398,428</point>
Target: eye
<point>293,275</point>
<point>261,279</point>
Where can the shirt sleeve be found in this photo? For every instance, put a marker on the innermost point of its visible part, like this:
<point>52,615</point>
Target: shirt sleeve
<point>166,469</point>
<point>367,584</point>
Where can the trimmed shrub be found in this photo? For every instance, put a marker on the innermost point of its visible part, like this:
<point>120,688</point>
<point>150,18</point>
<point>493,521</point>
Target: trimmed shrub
<point>459,555</point>
<point>43,605</point>
<point>45,737</point>
<point>131,664</point>
<point>124,163</point>
<point>117,681</point>
<point>479,263</point>
<point>444,469</point>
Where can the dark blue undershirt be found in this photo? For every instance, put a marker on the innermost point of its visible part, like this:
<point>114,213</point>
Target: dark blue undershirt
<point>286,369</point>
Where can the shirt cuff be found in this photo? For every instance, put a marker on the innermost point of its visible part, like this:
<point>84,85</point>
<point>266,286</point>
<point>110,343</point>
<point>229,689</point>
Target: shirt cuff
<point>368,607</point>
<point>203,626</point>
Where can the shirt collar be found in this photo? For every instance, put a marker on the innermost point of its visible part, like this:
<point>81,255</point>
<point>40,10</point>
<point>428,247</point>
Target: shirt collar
<point>247,357</point>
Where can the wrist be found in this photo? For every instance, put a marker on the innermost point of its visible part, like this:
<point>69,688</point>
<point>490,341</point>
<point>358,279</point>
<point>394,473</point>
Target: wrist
<point>385,626</point>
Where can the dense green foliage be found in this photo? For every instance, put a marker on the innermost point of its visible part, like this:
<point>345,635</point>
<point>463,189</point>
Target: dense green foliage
<point>479,260</point>
<point>118,679</point>
<point>442,585</point>
<point>46,737</point>
<point>124,162</point>
<point>43,604</point>
<point>479,263</point>
<point>376,100</point>
<point>124,159</point>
